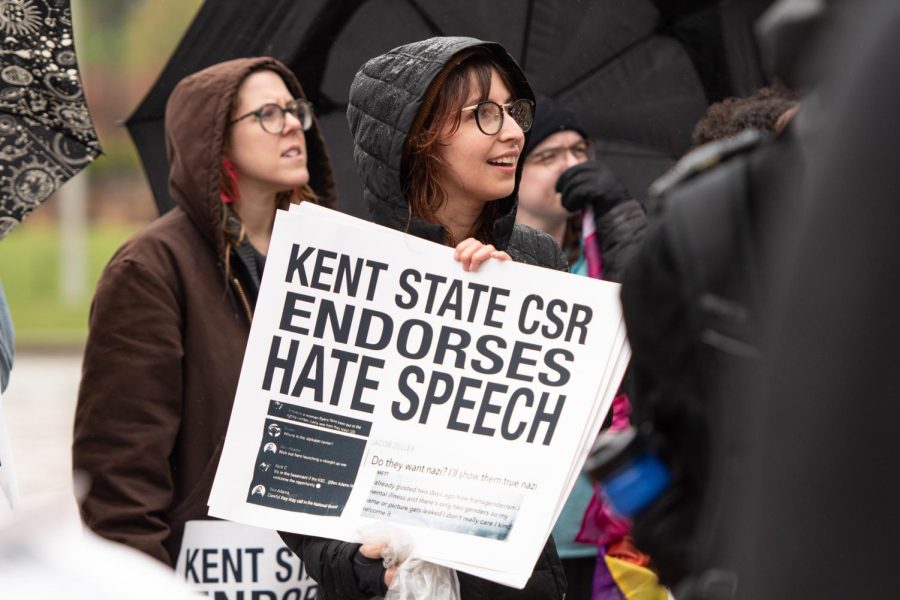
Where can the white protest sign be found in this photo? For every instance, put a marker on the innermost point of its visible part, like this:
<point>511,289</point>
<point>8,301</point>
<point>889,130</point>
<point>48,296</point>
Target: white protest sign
<point>383,383</point>
<point>613,374</point>
<point>231,561</point>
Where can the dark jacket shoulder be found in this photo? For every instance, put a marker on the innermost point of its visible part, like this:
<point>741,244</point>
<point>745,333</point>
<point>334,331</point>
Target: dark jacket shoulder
<point>533,247</point>
<point>620,230</point>
<point>330,563</point>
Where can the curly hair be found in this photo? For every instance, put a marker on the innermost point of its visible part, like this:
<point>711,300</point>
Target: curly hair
<point>733,115</point>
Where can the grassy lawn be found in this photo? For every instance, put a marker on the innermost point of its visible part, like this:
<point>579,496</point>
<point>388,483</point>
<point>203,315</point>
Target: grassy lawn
<point>30,274</point>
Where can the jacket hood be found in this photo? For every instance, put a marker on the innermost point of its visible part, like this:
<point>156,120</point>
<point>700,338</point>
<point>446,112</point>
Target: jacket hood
<point>386,96</point>
<point>197,115</point>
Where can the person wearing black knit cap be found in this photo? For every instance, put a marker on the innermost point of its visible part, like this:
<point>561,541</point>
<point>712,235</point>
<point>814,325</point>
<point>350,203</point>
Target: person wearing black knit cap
<point>578,200</point>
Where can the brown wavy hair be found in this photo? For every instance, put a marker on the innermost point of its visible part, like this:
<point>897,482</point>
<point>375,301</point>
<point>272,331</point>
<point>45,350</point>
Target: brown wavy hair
<point>422,163</point>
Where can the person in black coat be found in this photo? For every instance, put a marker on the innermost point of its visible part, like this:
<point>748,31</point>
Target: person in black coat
<point>825,471</point>
<point>692,297</point>
<point>439,127</point>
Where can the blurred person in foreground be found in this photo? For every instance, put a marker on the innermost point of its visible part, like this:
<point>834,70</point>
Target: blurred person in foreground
<point>577,199</point>
<point>45,555</point>
<point>822,518</point>
<point>692,299</point>
<point>172,311</point>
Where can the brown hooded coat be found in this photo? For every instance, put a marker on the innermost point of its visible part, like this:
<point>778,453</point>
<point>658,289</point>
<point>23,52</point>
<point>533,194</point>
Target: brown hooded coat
<point>167,334</point>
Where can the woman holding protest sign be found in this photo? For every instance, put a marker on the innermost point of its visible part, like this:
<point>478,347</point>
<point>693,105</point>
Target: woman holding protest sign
<point>172,311</point>
<point>438,128</point>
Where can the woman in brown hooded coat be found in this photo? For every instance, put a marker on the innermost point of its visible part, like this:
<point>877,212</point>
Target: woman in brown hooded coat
<point>172,310</point>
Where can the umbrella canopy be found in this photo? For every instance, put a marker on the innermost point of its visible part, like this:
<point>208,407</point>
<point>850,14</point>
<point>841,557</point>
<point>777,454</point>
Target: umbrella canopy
<point>46,133</point>
<point>638,75</point>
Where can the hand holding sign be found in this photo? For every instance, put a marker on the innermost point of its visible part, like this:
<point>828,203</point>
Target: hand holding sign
<point>375,551</point>
<point>495,380</point>
<point>471,253</point>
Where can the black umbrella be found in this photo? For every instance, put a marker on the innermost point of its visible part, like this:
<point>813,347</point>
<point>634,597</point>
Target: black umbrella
<point>46,134</point>
<point>638,75</point>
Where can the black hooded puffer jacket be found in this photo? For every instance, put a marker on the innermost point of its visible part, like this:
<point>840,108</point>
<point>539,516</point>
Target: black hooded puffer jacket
<point>385,98</point>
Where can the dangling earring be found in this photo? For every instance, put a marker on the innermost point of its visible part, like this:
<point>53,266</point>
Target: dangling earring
<point>231,174</point>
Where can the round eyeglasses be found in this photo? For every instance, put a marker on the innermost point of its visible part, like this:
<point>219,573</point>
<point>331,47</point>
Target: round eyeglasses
<point>271,117</point>
<point>551,157</point>
<point>489,114</point>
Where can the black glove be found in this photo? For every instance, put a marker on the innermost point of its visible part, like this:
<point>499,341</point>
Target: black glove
<point>369,574</point>
<point>591,183</point>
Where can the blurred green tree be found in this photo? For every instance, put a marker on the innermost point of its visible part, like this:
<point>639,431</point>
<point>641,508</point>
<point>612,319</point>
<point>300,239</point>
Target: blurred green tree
<point>122,46</point>
<point>153,30</point>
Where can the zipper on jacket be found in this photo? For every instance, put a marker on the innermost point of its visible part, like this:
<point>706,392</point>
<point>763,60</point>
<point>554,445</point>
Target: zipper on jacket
<point>243,298</point>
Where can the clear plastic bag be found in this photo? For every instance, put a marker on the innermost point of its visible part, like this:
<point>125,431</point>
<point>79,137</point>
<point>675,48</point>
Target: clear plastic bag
<point>415,578</point>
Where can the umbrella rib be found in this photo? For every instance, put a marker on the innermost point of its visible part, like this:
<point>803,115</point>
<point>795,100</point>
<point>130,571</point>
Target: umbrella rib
<point>318,42</point>
<point>587,75</point>
<point>526,38</point>
<point>39,119</point>
<point>54,128</point>
<point>93,151</point>
<point>435,30</point>
<point>149,118</point>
